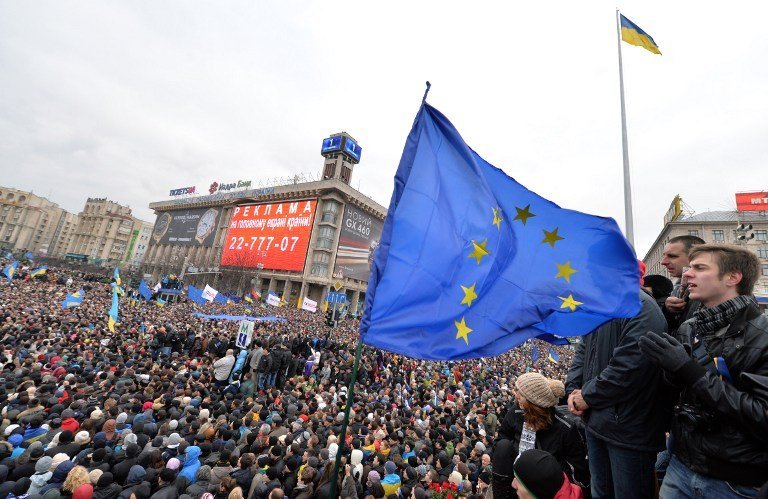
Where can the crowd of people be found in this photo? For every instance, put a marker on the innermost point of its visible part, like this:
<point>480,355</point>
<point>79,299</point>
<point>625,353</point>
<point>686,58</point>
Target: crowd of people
<point>167,406</point>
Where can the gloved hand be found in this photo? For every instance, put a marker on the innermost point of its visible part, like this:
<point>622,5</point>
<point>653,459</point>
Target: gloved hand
<point>664,350</point>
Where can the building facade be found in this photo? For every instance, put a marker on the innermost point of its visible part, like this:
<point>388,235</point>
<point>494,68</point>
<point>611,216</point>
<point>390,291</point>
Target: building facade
<point>139,243</point>
<point>745,228</point>
<point>33,223</point>
<point>104,232</point>
<point>296,239</point>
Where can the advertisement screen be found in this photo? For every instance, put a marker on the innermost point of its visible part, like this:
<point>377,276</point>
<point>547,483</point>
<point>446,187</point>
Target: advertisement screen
<point>272,236</point>
<point>752,201</point>
<point>195,227</point>
<point>360,235</point>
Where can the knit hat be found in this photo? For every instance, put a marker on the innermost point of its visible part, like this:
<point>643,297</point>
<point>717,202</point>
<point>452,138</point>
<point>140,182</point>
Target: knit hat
<point>82,437</point>
<point>539,390</point>
<point>131,438</point>
<point>43,465</point>
<point>374,476</point>
<point>390,467</point>
<point>455,478</point>
<point>121,418</point>
<point>94,475</point>
<point>174,440</point>
<point>58,459</point>
<point>540,473</point>
<point>173,464</point>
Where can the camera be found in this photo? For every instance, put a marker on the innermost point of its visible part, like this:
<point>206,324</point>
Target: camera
<point>696,417</point>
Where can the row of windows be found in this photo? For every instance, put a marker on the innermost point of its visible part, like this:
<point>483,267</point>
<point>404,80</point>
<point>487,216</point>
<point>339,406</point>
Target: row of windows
<point>719,235</point>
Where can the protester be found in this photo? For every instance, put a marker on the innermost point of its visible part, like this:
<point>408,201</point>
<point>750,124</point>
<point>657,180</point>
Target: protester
<point>538,475</point>
<point>678,308</point>
<point>720,360</point>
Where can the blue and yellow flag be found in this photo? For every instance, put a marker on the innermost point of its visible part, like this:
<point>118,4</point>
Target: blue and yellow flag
<point>634,35</point>
<point>10,270</point>
<point>160,302</point>
<point>112,320</point>
<point>116,276</point>
<point>73,299</point>
<point>29,256</point>
<point>471,263</point>
<point>39,271</point>
<point>144,290</point>
<point>553,357</point>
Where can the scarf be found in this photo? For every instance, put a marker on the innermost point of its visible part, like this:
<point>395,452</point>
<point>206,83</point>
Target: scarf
<point>710,320</point>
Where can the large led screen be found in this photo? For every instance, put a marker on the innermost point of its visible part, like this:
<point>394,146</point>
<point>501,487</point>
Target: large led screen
<point>360,235</point>
<point>272,236</point>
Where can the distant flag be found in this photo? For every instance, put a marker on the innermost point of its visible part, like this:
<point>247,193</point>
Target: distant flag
<point>256,295</point>
<point>160,302</point>
<point>9,255</point>
<point>472,264</point>
<point>248,298</point>
<point>39,271</point>
<point>112,320</point>
<point>219,298</point>
<point>144,290</point>
<point>116,276</point>
<point>29,256</point>
<point>553,357</point>
<point>534,354</point>
<point>10,270</point>
<point>196,295</point>
<point>633,35</point>
<point>73,299</point>
<point>209,293</point>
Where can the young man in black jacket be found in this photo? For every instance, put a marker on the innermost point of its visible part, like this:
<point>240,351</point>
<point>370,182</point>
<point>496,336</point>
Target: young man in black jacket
<point>720,360</point>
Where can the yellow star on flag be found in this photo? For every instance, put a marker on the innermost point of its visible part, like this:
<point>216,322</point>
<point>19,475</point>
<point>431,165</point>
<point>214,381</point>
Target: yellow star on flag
<point>523,214</point>
<point>497,218</point>
<point>462,330</point>
<point>551,237</point>
<point>565,271</point>
<point>469,295</point>
<point>479,251</point>
<point>569,302</point>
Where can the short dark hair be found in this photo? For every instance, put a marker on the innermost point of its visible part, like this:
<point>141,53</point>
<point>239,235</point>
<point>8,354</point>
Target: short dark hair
<point>688,241</point>
<point>732,258</point>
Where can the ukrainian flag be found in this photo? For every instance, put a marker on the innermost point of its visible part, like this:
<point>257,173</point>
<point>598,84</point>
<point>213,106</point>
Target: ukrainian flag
<point>10,270</point>
<point>160,302</point>
<point>39,271</point>
<point>116,276</point>
<point>113,311</point>
<point>73,299</point>
<point>634,35</point>
<point>553,357</point>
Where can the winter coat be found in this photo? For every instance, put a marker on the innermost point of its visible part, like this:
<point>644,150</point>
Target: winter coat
<point>620,384</point>
<point>191,464</point>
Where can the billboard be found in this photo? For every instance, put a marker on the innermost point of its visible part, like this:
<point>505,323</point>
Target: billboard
<point>752,201</point>
<point>193,227</point>
<point>273,236</point>
<point>360,235</point>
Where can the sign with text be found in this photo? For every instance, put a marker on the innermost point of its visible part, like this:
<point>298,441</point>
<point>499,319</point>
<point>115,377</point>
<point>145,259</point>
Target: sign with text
<point>182,191</point>
<point>244,334</point>
<point>273,236</point>
<point>309,305</point>
<point>360,235</point>
<point>273,300</point>
<point>752,201</point>
<point>194,227</point>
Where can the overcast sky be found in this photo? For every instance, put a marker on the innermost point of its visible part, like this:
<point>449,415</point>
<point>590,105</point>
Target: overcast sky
<point>130,99</point>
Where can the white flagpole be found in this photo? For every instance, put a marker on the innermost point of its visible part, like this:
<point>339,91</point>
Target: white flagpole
<point>628,220</point>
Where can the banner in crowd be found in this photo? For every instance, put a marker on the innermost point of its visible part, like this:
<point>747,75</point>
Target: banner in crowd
<point>309,305</point>
<point>273,300</point>
<point>224,317</point>
<point>359,237</point>
<point>272,236</point>
<point>193,227</point>
<point>209,293</point>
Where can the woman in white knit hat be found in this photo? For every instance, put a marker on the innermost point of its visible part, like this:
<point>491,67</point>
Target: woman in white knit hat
<point>533,422</point>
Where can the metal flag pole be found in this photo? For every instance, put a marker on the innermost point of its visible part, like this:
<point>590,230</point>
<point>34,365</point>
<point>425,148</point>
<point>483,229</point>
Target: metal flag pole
<point>628,220</point>
<point>345,423</point>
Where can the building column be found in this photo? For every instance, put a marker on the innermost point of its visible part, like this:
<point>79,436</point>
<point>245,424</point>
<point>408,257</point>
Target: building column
<point>353,303</point>
<point>272,284</point>
<point>287,292</point>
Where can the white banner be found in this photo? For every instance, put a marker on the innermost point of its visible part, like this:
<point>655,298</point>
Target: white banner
<point>209,293</point>
<point>244,334</point>
<point>308,304</point>
<point>273,300</point>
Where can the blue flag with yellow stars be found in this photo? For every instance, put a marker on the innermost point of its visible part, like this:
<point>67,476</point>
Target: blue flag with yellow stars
<point>472,264</point>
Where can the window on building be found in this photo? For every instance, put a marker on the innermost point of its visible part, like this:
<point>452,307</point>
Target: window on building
<point>761,235</point>
<point>765,269</point>
<point>325,237</point>
<point>346,174</point>
<point>330,170</point>
<point>319,269</point>
<point>693,233</point>
<point>321,257</point>
<point>762,251</point>
<point>330,211</point>
<point>718,235</point>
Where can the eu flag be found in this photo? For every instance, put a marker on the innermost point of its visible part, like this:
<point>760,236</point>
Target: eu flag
<point>471,263</point>
<point>196,295</point>
<point>144,290</point>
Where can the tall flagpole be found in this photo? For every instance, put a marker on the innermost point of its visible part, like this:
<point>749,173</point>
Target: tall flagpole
<point>628,221</point>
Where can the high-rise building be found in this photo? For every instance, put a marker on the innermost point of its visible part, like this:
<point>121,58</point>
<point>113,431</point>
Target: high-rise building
<point>296,238</point>
<point>29,222</point>
<point>104,232</point>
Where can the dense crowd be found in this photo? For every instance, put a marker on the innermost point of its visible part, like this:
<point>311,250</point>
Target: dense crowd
<point>166,406</point>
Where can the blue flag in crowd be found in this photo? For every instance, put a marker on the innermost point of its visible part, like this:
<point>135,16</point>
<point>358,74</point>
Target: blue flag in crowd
<point>144,290</point>
<point>29,256</point>
<point>471,263</point>
<point>113,310</point>
<point>196,295</point>
<point>73,299</point>
<point>534,354</point>
<point>553,357</point>
<point>10,270</point>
